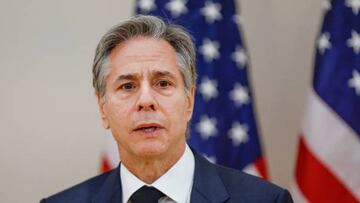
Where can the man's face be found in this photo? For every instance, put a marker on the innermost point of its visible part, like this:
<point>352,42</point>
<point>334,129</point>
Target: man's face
<point>146,106</point>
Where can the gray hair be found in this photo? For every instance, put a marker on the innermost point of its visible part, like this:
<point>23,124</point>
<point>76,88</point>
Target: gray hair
<point>147,26</point>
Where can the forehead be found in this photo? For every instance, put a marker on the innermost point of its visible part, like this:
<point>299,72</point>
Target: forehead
<point>143,54</point>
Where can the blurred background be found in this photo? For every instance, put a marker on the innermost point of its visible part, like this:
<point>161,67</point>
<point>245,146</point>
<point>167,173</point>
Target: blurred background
<point>50,131</point>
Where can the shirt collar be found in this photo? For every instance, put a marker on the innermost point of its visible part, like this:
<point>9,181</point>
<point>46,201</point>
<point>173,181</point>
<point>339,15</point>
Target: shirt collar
<point>170,184</point>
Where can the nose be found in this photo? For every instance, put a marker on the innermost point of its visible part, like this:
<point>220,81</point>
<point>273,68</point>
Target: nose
<point>146,100</point>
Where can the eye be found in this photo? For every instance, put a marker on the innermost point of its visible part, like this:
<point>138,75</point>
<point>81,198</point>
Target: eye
<point>163,83</point>
<point>128,86</point>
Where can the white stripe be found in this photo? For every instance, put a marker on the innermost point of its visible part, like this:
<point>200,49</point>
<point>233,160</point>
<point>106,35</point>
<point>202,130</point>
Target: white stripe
<point>111,151</point>
<point>296,194</point>
<point>252,170</point>
<point>333,142</point>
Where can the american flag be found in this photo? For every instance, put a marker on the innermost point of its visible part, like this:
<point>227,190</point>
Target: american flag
<point>328,165</point>
<point>223,126</point>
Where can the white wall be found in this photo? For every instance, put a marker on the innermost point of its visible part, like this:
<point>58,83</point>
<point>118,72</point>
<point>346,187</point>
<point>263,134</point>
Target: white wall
<point>50,131</point>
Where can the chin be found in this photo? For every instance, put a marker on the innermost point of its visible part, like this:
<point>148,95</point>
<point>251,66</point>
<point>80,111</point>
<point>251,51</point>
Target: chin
<point>152,149</point>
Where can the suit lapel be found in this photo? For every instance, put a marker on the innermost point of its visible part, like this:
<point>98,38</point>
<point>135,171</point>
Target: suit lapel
<point>110,191</point>
<point>207,186</point>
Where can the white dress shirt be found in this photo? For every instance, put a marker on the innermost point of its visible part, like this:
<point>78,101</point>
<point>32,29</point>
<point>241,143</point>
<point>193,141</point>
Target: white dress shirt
<point>176,183</point>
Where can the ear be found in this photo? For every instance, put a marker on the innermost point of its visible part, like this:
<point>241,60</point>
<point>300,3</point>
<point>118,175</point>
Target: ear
<point>190,103</point>
<point>102,110</point>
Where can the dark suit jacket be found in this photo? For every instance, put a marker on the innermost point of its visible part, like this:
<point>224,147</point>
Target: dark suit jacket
<point>212,183</point>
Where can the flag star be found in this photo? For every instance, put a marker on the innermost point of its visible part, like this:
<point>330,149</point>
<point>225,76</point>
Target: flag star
<point>176,7</point>
<point>239,56</point>
<point>238,133</point>
<point>240,95</point>
<point>354,42</point>
<point>326,5</point>
<point>206,127</point>
<point>210,50</point>
<point>238,19</point>
<point>354,4</point>
<point>211,11</point>
<point>324,42</point>
<point>146,5</point>
<point>208,89</point>
<point>355,81</point>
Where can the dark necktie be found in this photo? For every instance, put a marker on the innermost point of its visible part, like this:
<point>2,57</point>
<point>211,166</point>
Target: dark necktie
<point>146,195</point>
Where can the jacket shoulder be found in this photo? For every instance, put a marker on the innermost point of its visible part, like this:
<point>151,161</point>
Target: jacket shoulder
<point>82,192</point>
<point>249,188</point>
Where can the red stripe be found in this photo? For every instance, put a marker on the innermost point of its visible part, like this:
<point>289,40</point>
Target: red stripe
<point>261,167</point>
<point>105,165</point>
<point>316,182</point>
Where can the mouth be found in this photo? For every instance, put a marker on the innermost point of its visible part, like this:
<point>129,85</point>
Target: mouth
<point>148,128</point>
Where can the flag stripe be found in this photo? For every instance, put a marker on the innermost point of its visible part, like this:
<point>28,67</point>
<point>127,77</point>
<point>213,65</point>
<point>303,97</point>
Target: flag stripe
<point>317,182</point>
<point>260,166</point>
<point>110,156</point>
<point>333,142</point>
<point>257,168</point>
<point>296,193</point>
<point>252,169</point>
<point>105,164</point>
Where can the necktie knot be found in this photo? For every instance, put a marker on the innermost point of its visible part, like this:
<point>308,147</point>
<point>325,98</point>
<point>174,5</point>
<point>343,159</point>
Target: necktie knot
<point>146,194</point>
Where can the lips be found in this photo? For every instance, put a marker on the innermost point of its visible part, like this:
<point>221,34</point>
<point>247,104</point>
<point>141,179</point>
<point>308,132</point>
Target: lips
<point>148,127</point>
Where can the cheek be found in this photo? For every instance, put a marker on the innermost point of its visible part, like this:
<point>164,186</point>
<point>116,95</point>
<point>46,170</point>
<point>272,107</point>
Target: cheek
<point>119,125</point>
<point>118,116</point>
<point>176,111</point>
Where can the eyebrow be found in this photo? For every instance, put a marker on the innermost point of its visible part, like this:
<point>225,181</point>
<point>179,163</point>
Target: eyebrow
<point>153,74</point>
<point>127,77</point>
<point>163,74</point>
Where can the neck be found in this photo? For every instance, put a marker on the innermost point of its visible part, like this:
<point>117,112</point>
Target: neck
<point>149,169</point>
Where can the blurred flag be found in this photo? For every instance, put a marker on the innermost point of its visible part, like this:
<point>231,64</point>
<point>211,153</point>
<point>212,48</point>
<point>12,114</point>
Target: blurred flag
<point>110,156</point>
<point>223,126</point>
<point>328,165</point>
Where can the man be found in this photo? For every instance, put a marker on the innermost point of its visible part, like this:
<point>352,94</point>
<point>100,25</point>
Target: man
<point>144,78</point>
